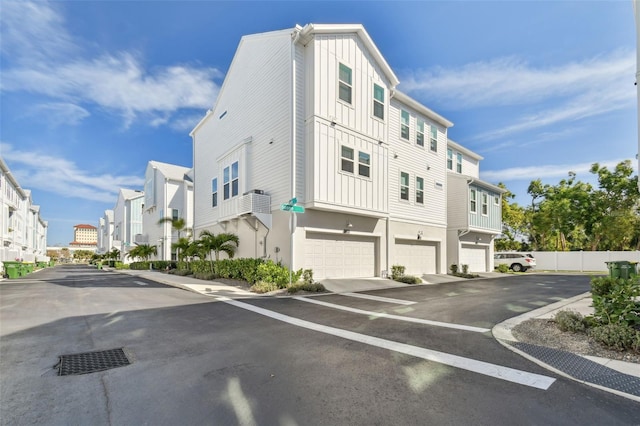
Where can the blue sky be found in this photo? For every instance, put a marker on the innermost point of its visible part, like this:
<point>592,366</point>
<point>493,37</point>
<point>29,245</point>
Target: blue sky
<point>93,90</point>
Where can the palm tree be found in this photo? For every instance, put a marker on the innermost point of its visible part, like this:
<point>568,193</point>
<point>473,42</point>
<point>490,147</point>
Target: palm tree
<point>181,247</point>
<point>179,225</point>
<point>113,254</point>
<point>224,242</point>
<point>143,251</point>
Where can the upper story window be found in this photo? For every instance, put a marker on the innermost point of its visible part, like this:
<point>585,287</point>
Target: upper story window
<point>420,133</point>
<point>345,88</point>
<point>378,101</point>
<point>496,200</point>
<point>364,164</point>
<point>419,190</point>
<point>473,205</point>
<point>214,192</point>
<point>230,181</point>
<point>485,204</point>
<point>449,159</point>
<point>458,162</point>
<point>404,186</point>
<point>175,214</point>
<point>404,125</point>
<point>347,159</point>
<point>434,139</point>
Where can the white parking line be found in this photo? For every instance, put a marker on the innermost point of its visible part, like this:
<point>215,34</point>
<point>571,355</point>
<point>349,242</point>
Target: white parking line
<point>379,298</point>
<point>140,283</point>
<point>395,317</point>
<point>492,370</point>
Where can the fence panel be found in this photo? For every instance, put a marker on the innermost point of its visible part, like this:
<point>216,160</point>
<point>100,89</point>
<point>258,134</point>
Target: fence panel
<point>583,261</point>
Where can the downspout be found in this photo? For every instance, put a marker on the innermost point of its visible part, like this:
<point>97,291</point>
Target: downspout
<point>294,39</point>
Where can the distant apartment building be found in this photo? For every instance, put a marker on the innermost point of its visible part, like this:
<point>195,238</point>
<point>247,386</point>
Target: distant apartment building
<point>23,232</point>
<point>105,233</point>
<point>127,221</point>
<point>84,236</point>
<point>168,194</point>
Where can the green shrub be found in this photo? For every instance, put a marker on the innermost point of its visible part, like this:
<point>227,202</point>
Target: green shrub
<point>310,287</point>
<point>614,300</point>
<point>454,269</point>
<point>200,266</point>
<point>409,279</point>
<point>503,268</point>
<point>263,287</point>
<point>465,269</point>
<point>205,276</point>
<point>180,272</point>
<point>139,266</point>
<point>307,276</point>
<point>120,265</point>
<point>635,342</point>
<point>614,336</point>
<point>271,272</point>
<point>397,271</point>
<point>570,321</point>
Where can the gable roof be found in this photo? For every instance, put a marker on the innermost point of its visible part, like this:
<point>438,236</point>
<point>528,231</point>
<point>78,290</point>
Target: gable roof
<point>307,32</point>
<point>464,150</point>
<point>130,194</point>
<point>172,171</point>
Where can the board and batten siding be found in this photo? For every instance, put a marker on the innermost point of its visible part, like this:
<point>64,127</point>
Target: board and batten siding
<point>493,219</point>
<point>407,156</point>
<point>254,104</point>
<point>329,184</point>
<point>327,52</point>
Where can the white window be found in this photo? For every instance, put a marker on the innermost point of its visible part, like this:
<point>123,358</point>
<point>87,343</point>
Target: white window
<point>404,125</point>
<point>175,214</point>
<point>378,101</point>
<point>449,159</point>
<point>214,192</point>
<point>420,133</point>
<point>347,159</point>
<point>344,86</point>
<point>230,181</point>
<point>434,139</point>
<point>485,204</point>
<point>458,162</point>
<point>404,186</point>
<point>496,200</point>
<point>364,164</point>
<point>419,190</point>
<point>235,181</point>
<point>473,206</point>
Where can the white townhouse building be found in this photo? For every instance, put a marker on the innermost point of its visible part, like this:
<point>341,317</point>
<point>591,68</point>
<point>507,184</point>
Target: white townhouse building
<point>313,113</point>
<point>23,232</point>
<point>127,221</point>
<point>105,233</point>
<point>474,211</point>
<point>168,193</point>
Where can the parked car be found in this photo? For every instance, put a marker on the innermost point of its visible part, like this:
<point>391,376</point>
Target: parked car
<point>517,262</point>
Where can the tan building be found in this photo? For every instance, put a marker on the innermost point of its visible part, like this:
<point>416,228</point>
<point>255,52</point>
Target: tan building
<point>84,235</point>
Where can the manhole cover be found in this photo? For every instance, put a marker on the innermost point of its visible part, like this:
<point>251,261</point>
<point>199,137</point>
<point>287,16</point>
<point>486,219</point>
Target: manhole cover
<point>91,362</point>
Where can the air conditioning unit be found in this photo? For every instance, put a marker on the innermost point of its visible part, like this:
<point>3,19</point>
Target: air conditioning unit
<point>254,191</point>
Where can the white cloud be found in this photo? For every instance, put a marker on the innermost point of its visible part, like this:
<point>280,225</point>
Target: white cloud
<point>562,93</point>
<point>63,177</point>
<point>60,113</point>
<point>117,82</point>
<point>544,172</point>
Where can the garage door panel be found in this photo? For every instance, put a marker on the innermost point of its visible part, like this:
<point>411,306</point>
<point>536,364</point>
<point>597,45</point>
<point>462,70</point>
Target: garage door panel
<point>418,257</point>
<point>475,257</point>
<point>340,256</point>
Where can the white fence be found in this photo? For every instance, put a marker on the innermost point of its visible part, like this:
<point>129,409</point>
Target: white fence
<point>589,261</point>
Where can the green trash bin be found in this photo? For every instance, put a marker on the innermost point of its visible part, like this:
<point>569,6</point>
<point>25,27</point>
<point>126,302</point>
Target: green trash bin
<point>622,269</point>
<point>28,267</point>
<point>99,265</point>
<point>12,269</point>
<point>614,269</point>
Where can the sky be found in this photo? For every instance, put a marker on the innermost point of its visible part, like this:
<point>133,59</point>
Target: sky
<point>90,91</point>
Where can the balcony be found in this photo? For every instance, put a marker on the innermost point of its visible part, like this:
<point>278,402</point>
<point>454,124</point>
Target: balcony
<point>254,202</point>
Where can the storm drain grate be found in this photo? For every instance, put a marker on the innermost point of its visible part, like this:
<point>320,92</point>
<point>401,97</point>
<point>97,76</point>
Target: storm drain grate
<point>582,368</point>
<point>91,362</point>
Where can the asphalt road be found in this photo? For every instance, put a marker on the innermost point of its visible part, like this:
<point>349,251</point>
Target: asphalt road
<point>283,361</point>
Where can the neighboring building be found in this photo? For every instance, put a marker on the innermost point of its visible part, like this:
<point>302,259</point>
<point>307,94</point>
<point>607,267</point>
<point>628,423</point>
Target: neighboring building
<point>84,236</point>
<point>474,211</point>
<point>105,233</point>
<point>313,113</point>
<point>23,232</point>
<point>127,221</point>
<point>168,193</point>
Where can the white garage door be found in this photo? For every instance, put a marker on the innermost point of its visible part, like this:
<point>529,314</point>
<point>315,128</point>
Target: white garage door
<point>340,256</point>
<point>475,257</point>
<point>418,257</point>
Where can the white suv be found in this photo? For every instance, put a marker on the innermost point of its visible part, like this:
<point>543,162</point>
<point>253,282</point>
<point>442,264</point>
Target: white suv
<point>517,262</point>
